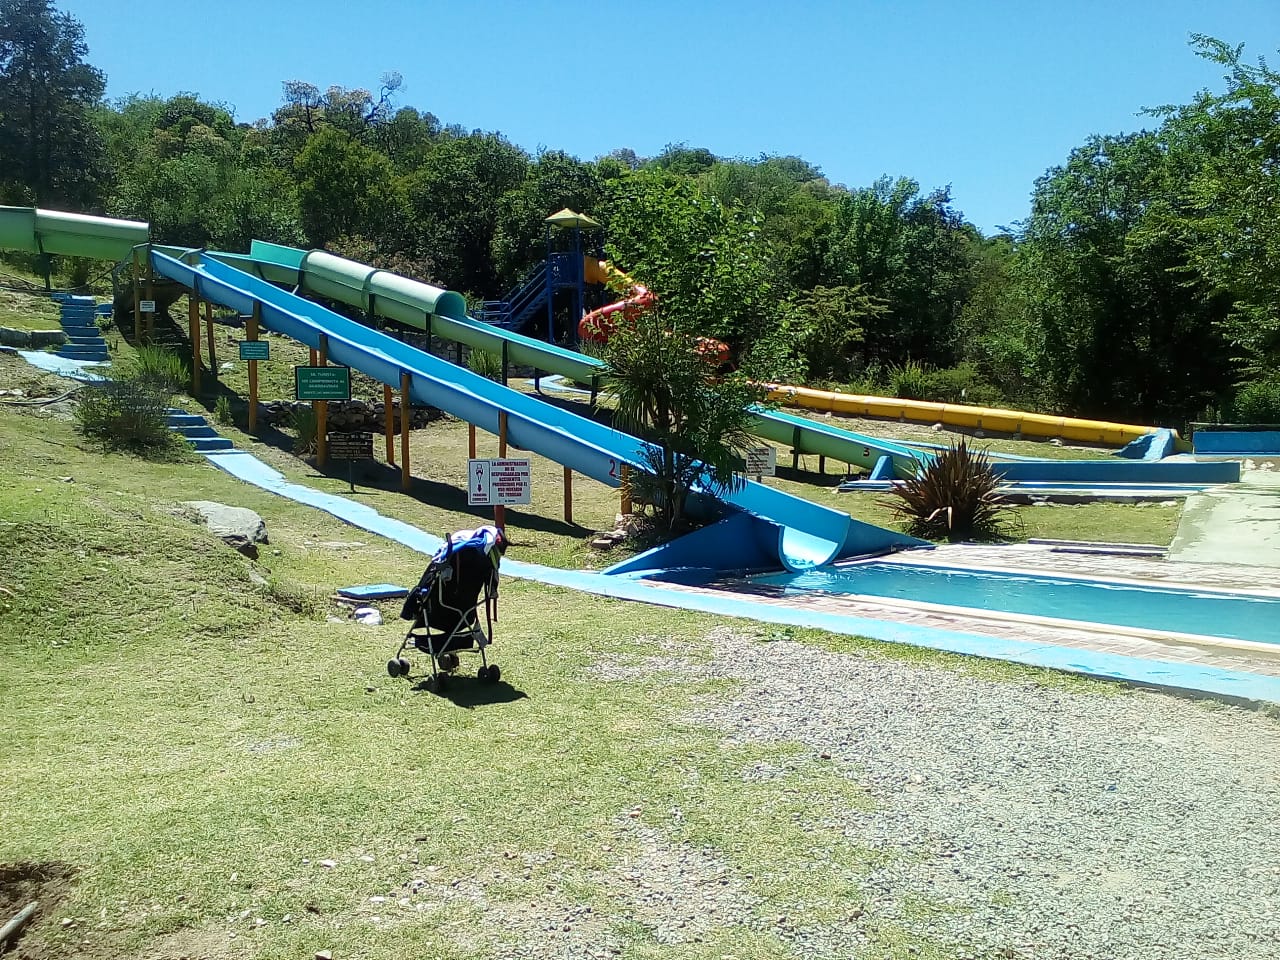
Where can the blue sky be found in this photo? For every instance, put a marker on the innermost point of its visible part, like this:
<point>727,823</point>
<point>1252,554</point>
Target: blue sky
<point>982,96</point>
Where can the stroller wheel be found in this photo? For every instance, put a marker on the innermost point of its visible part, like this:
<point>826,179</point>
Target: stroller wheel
<point>404,666</point>
<point>394,665</point>
<point>482,674</point>
<point>494,673</point>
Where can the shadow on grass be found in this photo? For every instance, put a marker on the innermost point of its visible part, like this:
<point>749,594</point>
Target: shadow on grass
<point>471,692</point>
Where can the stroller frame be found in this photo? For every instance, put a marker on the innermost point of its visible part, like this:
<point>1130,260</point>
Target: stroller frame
<point>466,634</point>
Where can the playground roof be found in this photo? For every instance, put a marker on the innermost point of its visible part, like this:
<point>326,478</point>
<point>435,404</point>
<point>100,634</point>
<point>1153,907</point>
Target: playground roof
<point>570,218</point>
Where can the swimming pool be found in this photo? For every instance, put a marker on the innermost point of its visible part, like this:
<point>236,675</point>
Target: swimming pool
<point>1156,609</point>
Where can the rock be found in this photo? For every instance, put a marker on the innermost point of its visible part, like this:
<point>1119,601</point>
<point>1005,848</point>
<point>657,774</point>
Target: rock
<point>238,527</point>
<point>369,616</point>
<point>47,338</point>
<point>324,955</point>
<point>12,337</point>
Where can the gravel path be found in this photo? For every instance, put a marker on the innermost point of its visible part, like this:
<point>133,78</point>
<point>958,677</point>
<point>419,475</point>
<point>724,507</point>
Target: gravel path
<point>1051,824</point>
<point>1007,820</point>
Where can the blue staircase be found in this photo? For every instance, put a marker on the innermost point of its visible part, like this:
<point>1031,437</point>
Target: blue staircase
<point>197,431</point>
<point>79,319</point>
<point>521,305</point>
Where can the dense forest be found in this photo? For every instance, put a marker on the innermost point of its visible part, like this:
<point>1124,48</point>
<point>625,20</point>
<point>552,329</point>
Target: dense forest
<point>1144,284</point>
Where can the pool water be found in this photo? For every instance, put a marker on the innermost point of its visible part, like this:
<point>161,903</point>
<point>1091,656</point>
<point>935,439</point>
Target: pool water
<point>1157,609</point>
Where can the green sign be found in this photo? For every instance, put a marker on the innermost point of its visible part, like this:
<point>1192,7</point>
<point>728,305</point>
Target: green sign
<point>255,350</point>
<point>322,383</point>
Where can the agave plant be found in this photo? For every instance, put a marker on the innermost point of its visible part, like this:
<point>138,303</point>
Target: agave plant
<point>954,498</point>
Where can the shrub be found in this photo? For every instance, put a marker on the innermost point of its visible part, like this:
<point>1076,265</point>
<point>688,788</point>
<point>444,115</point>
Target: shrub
<point>487,365</point>
<point>961,384</point>
<point>303,422</point>
<point>168,371</point>
<point>868,382</point>
<point>909,381</point>
<point>1258,402</point>
<point>222,410</point>
<point>954,498</point>
<point>127,414</point>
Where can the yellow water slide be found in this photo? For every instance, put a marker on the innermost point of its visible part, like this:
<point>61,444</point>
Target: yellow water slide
<point>957,415</point>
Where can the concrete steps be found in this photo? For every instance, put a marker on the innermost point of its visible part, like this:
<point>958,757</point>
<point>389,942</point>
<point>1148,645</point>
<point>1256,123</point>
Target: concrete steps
<point>196,431</point>
<point>78,316</point>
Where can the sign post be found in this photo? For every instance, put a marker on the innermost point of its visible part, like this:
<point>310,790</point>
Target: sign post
<point>322,383</point>
<point>499,482</point>
<point>254,350</point>
<point>762,462</point>
<point>350,447</point>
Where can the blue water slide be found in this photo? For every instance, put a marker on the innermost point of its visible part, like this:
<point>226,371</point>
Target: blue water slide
<point>806,534</point>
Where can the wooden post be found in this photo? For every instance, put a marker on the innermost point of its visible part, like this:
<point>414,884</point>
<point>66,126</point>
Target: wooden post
<point>253,369</point>
<point>388,419</point>
<point>568,495</point>
<point>322,409</point>
<point>193,332</point>
<point>624,502</point>
<point>208,326</point>
<point>499,510</point>
<point>137,300</point>
<point>471,440</point>
<point>150,295</point>
<point>404,431</point>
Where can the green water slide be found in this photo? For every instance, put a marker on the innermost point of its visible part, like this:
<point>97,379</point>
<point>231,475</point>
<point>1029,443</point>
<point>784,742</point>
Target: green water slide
<point>30,230</point>
<point>444,314</point>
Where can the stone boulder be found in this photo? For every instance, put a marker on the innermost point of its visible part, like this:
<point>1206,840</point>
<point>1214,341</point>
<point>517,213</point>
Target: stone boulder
<point>238,527</point>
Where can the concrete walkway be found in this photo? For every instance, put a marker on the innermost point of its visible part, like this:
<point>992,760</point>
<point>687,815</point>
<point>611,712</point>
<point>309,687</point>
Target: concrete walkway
<point>1238,523</point>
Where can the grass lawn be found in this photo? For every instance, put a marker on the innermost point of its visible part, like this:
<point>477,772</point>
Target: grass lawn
<point>220,768</point>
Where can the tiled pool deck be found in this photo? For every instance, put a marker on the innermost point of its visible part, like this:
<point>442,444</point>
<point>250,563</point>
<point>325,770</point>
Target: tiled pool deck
<point>1032,558</point>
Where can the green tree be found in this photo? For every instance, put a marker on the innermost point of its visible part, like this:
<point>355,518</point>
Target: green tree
<point>710,265</point>
<point>50,152</point>
<point>666,391</point>
<point>1124,332</point>
<point>912,252</point>
<point>826,327</point>
<point>454,198</point>
<point>346,189</point>
<point>554,180</point>
<point>796,206</point>
<point>1226,211</point>
<point>197,176</point>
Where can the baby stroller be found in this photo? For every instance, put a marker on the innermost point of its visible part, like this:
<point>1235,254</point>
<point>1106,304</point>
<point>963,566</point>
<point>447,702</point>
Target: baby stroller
<point>443,608</point>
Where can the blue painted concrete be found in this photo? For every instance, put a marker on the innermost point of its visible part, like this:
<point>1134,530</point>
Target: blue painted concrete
<point>1237,442</point>
<point>883,469</point>
<point>63,366</point>
<point>1183,677</point>
<point>705,550</point>
<point>1155,445</point>
<point>1120,471</point>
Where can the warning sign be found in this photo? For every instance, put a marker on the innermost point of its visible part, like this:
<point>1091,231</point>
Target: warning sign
<point>493,482</point>
<point>511,481</point>
<point>762,461</point>
<point>479,492</point>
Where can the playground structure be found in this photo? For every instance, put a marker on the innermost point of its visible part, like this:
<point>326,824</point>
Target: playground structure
<point>782,530</point>
<point>797,534</point>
